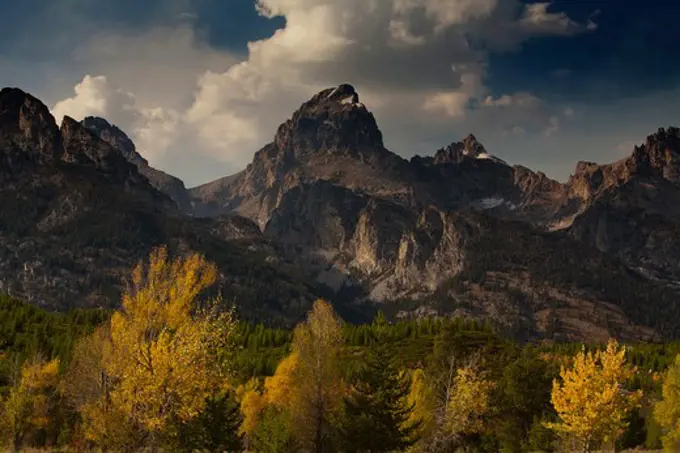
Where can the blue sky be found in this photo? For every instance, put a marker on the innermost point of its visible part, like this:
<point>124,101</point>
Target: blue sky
<point>200,85</point>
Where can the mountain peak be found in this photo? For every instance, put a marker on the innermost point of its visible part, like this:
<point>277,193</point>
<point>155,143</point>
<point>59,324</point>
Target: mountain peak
<point>28,131</point>
<point>115,137</point>
<point>456,152</point>
<point>660,155</point>
<point>345,94</point>
<point>332,120</point>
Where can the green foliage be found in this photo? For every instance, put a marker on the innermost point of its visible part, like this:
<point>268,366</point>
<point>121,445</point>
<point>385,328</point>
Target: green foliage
<point>273,433</point>
<point>215,429</point>
<point>27,331</point>
<point>376,417</point>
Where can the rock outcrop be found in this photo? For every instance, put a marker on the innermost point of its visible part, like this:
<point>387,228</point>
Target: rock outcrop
<point>169,185</point>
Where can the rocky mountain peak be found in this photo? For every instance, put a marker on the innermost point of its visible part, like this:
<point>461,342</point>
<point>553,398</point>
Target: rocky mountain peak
<point>115,137</point>
<point>28,131</point>
<point>659,155</point>
<point>331,121</point>
<point>124,147</point>
<point>457,152</point>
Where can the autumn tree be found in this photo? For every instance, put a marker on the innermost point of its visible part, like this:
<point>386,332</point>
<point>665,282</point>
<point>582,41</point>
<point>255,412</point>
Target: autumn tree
<point>317,389</point>
<point>163,354</point>
<point>306,391</point>
<point>591,398</point>
<point>422,399</point>
<point>267,413</point>
<point>454,404</point>
<point>667,411</point>
<point>377,411</point>
<point>27,407</point>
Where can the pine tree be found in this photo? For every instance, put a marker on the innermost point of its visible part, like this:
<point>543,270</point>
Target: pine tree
<point>377,411</point>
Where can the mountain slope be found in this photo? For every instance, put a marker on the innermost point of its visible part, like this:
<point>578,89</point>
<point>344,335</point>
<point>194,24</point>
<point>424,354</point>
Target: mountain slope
<point>168,184</point>
<point>77,215</point>
<point>632,207</point>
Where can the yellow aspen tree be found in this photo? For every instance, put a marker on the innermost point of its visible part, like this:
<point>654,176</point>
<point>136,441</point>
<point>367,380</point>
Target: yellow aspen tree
<point>28,403</point>
<point>167,353</point>
<point>86,388</point>
<point>276,396</point>
<point>317,390</point>
<point>667,411</point>
<point>469,403</point>
<point>591,398</point>
<point>453,404</point>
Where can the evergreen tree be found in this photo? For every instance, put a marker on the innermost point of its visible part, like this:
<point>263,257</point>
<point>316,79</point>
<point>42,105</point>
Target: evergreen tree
<point>376,410</point>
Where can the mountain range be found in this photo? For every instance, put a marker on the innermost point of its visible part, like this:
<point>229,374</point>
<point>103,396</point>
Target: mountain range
<point>325,210</point>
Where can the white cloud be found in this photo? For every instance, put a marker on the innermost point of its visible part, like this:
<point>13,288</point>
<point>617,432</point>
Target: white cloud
<point>537,19</point>
<point>518,99</point>
<point>153,129</point>
<point>94,97</point>
<point>411,60</point>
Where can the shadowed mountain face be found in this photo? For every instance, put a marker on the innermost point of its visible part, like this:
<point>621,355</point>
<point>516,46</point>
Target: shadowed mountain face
<point>325,209</point>
<point>169,185</point>
<point>77,215</point>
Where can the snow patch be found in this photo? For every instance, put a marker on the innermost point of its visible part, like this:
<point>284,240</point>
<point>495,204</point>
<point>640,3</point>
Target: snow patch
<point>490,203</point>
<point>491,157</point>
<point>332,93</point>
<point>347,100</point>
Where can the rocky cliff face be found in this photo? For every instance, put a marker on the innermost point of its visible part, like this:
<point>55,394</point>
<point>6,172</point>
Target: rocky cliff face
<point>429,261</point>
<point>28,135</point>
<point>631,208</point>
<point>110,134</point>
<point>332,137</point>
<point>77,215</point>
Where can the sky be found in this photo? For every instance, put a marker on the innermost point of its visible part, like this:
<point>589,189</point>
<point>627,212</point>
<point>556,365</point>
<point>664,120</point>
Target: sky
<point>201,85</point>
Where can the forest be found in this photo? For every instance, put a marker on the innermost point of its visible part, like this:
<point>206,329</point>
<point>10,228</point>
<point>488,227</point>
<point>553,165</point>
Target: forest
<point>173,370</point>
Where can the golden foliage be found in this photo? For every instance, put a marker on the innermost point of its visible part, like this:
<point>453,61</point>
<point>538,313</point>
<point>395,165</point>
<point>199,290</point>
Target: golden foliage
<point>162,355</point>
<point>667,411</point>
<point>591,399</point>
<point>422,398</point>
<point>469,402</point>
<point>277,392</point>
<point>316,397</point>
<point>28,404</point>
<point>307,384</point>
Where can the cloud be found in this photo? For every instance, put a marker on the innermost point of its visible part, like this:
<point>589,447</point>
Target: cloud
<point>153,129</point>
<point>553,126</point>
<point>94,97</point>
<point>537,20</point>
<point>416,58</point>
<point>420,65</point>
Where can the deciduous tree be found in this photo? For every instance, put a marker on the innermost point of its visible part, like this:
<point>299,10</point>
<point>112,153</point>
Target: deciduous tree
<point>591,397</point>
<point>27,406</point>
<point>317,388</point>
<point>163,355</point>
<point>667,411</point>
